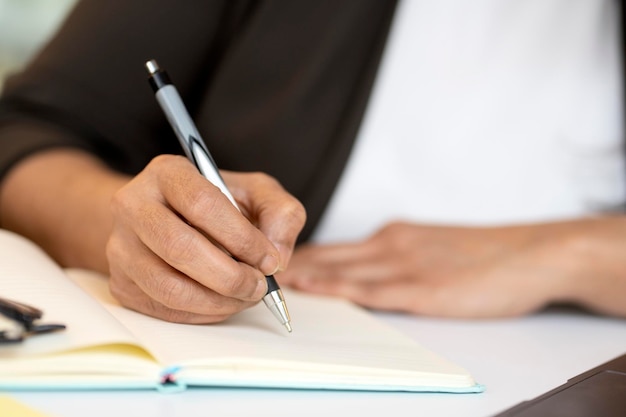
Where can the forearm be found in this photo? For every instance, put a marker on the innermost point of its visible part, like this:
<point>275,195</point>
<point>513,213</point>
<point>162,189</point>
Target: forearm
<point>61,200</point>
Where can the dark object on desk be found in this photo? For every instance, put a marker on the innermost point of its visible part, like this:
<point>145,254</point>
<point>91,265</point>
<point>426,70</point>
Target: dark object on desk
<point>601,391</point>
<point>24,322</point>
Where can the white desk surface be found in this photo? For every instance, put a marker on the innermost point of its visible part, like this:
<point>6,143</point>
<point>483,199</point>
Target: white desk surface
<point>516,359</point>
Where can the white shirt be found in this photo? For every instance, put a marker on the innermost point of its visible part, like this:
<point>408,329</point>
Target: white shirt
<point>488,112</point>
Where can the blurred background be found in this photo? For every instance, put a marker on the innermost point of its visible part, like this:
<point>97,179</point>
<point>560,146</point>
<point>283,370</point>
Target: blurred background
<point>25,25</point>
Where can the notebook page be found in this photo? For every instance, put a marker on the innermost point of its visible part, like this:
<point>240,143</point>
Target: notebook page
<point>29,276</point>
<point>330,337</point>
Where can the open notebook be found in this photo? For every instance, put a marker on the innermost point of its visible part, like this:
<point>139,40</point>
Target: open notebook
<point>334,345</point>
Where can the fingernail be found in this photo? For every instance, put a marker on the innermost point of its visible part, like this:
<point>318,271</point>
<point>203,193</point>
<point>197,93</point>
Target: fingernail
<point>285,254</point>
<point>269,265</point>
<point>261,288</point>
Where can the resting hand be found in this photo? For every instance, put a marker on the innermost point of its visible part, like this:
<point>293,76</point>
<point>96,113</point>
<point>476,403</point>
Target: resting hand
<point>470,272</point>
<point>172,229</point>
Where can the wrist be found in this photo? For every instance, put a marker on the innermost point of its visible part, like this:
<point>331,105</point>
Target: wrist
<point>60,199</point>
<point>590,260</point>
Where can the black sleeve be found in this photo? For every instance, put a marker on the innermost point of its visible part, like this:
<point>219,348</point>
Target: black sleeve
<point>87,88</point>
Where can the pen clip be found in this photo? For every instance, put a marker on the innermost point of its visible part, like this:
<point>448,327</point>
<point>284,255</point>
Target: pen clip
<point>206,165</point>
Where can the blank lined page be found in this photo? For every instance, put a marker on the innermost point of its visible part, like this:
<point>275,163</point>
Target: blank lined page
<point>29,276</point>
<point>330,337</point>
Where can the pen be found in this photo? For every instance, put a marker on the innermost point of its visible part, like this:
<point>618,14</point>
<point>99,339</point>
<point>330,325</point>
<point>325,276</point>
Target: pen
<point>196,150</point>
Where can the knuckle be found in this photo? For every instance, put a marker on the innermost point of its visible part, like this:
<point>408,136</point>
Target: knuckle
<point>395,234</point>
<point>174,316</point>
<point>163,161</point>
<point>178,246</point>
<point>294,213</point>
<point>239,285</point>
<point>243,246</point>
<point>173,293</point>
<point>394,227</point>
<point>115,288</point>
<point>232,286</point>
<point>202,203</point>
<point>121,201</point>
<point>112,249</point>
<point>263,178</point>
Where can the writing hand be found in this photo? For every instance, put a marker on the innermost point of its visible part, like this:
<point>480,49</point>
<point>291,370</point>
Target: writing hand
<point>174,232</point>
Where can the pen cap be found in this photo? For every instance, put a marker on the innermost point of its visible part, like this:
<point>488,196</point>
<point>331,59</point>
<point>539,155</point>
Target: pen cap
<point>158,77</point>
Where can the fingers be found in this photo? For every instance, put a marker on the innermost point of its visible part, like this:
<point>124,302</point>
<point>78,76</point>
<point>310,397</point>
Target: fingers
<point>470,294</point>
<point>189,252</point>
<point>181,251</point>
<point>376,277</point>
<point>147,284</point>
<point>356,262</point>
<point>142,210</point>
<point>368,281</point>
<point>400,296</point>
<point>277,214</point>
<point>204,206</point>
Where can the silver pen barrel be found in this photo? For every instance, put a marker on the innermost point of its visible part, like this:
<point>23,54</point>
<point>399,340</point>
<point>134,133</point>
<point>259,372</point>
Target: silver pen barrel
<point>196,150</point>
